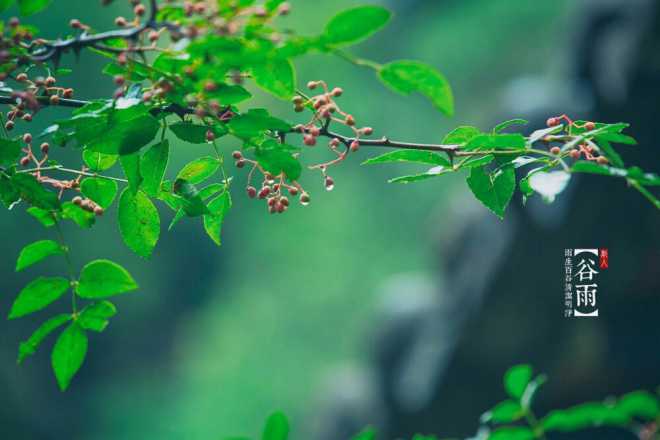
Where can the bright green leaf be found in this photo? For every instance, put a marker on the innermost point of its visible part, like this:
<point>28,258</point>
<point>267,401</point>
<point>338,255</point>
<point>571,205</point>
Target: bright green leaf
<point>504,412</point>
<point>368,433</point>
<point>512,433</point>
<point>9,152</point>
<point>34,193</point>
<point>516,380</point>
<point>103,278</point>
<point>68,354</point>
<point>406,77</point>
<point>100,190</point>
<point>99,161</point>
<point>195,133</point>
<point>277,77</point>
<point>29,347</point>
<point>152,167</point>
<point>29,7</point>
<point>493,190</point>
<point>199,170</point>
<point>219,207</point>
<point>78,215</point>
<point>506,124</point>
<point>277,427</point>
<point>513,141</point>
<point>416,156</point>
<point>131,165</point>
<point>37,251</point>
<point>139,222</point>
<point>355,24</point>
<point>46,218</point>
<point>639,404</point>
<point>95,316</point>
<point>37,295</point>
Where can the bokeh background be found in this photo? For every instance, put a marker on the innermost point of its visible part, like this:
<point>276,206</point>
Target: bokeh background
<point>396,306</point>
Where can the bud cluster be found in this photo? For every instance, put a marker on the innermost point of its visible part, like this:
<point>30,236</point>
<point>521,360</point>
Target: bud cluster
<point>326,111</point>
<point>27,100</point>
<point>587,148</point>
<point>272,188</point>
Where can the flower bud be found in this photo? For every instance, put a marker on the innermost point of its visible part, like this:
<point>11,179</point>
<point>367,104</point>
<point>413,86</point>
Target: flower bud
<point>552,122</point>
<point>555,150</point>
<point>27,138</point>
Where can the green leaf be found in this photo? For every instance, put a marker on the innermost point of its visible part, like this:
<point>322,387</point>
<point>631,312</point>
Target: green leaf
<point>95,316</point>
<point>512,433</point>
<point>277,427</point>
<point>68,354</point>
<point>368,433</point>
<point>99,161</point>
<point>8,193</point>
<point>29,7</point>
<point>46,218</point>
<point>406,77</point>
<point>131,166</point>
<point>461,135</point>
<point>100,190</point>
<point>228,94</point>
<point>79,216</point>
<point>103,278</point>
<point>195,133</point>
<point>477,161</point>
<point>277,77</point>
<point>254,123</point>
<point>513,141</point>
<point>152,167</point>
<point>139,222</point>
<point>516,380</point>
<point>29,347</point>
<point>125,131</point>
<point>199,170</point>
<point>504,412</point>
<point>34,193</point>
<point>549,184</point>
<point>219,207</point>
<point>610,153</point>
<point>9,152</point>
<point>506,124</point>
<point>5,4</point>
<point>493,190</point>
<point>433,172</point>
<point>417,156</point>
<point>355,24</point>
<point>585,415</point>
<point>37,251</point>
<point>188,201</point>
<point>639,404</point>
<point>37,295</point>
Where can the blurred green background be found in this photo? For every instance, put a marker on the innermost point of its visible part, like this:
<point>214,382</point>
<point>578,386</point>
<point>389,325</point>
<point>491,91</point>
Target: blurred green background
<point>217,338</point>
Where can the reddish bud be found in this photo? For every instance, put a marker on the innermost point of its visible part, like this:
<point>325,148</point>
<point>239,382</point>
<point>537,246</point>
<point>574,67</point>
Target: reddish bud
<point>284,201</point>
<point>575,154</point>
<point>25,161</point>
<point>589,126</point>
<point>329,183</point>
<point>312,85</point>
<point>67,93</point>
<point>552,122</point>
<point>210,86</point>
<point>355,145</point>
<point>237,155</point>
<point>119,80</point>
<point>304,199</point>
<point>75,23</point>
<point>21,77</point>
<point>27,117</point>
<point>139,10</point>
<point>314,131</point>
<point>153,36</point>
<point>146,96</point>
<point>27,138</point>
<point>98,211</point>
<point>293,190</point>
<point>44,147</point>
<point>555,150</point>
<point>240,163</point>
<point>77,200</point>
<point>9,125</point>
<point>14,22</point>
<point>368,131</point>
<point>50,81</point>
<point>120,21</point>
<point>263,193</point>
<point>337,92</point>
<point>210,136</point>
<point>54,100</point>
<point>251,192</point>
<point>602,160</point>
<point>284,8</point>
<point>350,121</point>
<point>309,140</point>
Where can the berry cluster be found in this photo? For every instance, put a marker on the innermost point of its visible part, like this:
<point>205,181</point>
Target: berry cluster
<point>587,149</point>
<point>272,187</point>
<point>27,101</point>
<point>326,111</point>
